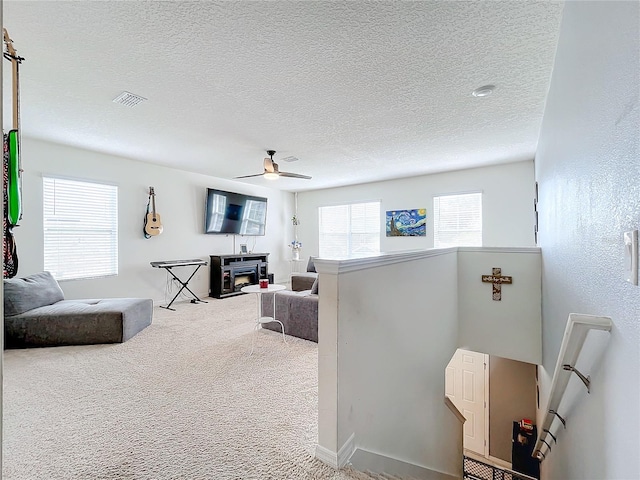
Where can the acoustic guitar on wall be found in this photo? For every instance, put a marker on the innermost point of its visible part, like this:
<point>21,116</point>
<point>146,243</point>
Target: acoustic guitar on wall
<point>152,223</point>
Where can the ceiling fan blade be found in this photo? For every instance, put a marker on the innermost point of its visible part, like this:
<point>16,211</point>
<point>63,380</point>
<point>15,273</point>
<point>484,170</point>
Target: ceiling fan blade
<point>294,175</point>
<point>268,165</point>
<point>271,170</point>
<point>248,176</point>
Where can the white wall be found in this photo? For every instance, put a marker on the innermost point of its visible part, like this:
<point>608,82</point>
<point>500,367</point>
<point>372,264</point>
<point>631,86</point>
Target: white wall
<point>180,199</point>
<point>588,169</point>
<point>396,330</point>
<point>510,327</point>
<point>392,352</point>
<point>508,192</point>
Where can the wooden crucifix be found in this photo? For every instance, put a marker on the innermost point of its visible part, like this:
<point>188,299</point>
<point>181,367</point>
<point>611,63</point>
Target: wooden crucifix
<point>497,279</point>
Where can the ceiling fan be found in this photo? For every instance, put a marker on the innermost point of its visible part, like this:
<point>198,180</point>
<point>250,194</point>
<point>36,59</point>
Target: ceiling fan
<point>271,170</point>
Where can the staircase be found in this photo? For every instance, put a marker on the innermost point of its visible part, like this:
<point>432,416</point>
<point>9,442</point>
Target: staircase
<point>357,475</point>
<point>409,438</point>
<point>473,470</point>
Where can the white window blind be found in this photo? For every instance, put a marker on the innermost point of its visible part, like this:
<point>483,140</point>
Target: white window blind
<point>80,229</point>
<point>349,230</point>
<point>457,220</point>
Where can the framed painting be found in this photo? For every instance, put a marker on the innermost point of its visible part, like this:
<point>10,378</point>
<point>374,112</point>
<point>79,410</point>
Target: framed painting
<point>407,223</point>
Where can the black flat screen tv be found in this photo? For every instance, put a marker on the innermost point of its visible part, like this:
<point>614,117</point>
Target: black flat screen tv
<point>234,213</point>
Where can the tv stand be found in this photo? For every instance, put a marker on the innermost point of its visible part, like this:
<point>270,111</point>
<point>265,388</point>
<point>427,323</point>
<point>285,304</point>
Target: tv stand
<point>229,273</point>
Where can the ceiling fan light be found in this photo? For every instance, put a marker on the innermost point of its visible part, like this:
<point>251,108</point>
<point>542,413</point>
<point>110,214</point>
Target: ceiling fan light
<point>270,175</point>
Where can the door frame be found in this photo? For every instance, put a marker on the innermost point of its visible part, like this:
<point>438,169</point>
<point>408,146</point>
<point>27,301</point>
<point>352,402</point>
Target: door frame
<point>486,405</point>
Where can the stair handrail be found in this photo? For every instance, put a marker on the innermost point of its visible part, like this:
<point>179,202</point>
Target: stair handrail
<point>575,334</point>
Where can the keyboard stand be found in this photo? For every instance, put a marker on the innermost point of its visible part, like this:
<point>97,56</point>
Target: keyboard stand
<point>169,265</point>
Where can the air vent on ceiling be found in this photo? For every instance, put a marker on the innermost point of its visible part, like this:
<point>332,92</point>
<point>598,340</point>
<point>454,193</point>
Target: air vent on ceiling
<point>289,159</point>
<point>128,99</point>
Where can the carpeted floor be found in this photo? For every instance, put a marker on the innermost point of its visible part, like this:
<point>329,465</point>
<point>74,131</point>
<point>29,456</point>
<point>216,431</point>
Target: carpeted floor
<point>181,400</point>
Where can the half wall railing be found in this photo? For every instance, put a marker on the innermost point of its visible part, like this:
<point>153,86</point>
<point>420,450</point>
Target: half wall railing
<point>575,335</point>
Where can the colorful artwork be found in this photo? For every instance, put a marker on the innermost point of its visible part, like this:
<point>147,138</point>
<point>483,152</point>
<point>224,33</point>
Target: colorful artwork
<point>407,223</point>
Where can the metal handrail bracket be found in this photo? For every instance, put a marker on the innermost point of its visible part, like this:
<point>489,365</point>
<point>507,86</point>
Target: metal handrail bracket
<point>575,334</point>
<point>586,380</point>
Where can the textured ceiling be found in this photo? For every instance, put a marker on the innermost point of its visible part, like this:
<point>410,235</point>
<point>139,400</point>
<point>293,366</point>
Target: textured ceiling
<point>357,91</point>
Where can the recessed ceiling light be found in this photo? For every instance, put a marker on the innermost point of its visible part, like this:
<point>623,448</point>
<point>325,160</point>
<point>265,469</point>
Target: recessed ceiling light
<point>484,91</point>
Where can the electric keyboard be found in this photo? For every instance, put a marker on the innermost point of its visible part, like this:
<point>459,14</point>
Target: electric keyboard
<point>169,264</point>
<point>177,263</point>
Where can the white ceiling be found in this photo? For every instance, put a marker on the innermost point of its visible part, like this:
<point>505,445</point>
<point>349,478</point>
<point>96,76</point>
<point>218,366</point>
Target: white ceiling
<point>357,91</point>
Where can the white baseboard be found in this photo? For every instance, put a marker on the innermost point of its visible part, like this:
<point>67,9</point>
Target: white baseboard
<point>327,456</point>
<point>346,451</point>
<point>339,459</point>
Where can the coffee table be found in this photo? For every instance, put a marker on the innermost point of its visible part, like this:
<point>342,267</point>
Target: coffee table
<point>271,288</point>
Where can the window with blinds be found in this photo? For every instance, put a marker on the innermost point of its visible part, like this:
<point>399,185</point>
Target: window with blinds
<point>457,220</point>
<point>80,229</point>
<point>349,230</point>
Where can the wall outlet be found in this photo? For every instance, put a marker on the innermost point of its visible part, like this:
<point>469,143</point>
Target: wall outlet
<point>631,256</point>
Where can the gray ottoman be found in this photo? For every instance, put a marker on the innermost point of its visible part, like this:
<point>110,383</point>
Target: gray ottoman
<point>36,315</point>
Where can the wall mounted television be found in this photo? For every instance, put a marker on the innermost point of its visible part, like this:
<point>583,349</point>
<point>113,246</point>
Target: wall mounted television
<point>234,213</point>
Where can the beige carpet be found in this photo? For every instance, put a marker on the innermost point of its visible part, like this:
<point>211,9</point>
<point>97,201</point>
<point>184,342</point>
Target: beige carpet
<point>181,400</point>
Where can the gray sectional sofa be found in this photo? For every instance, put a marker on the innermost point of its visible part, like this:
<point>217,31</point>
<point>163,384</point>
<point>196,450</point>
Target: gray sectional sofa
<point>298,312</point>
<point>297,308</point>
<point>37,315</point>
<point>304,280</point>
